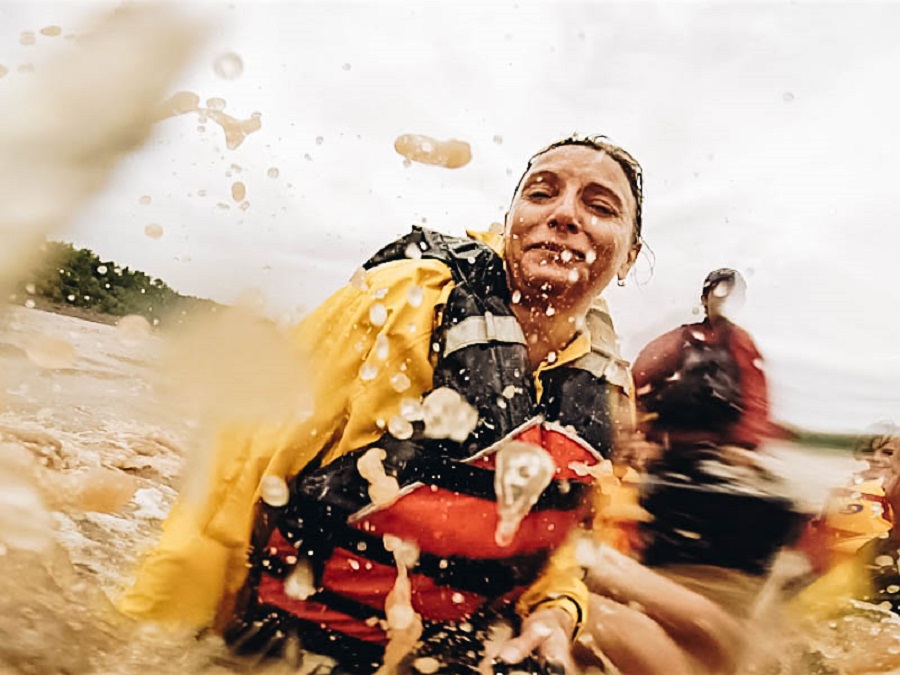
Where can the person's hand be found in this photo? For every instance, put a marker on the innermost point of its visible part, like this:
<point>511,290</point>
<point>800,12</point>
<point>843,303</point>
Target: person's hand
<point>546,632</point>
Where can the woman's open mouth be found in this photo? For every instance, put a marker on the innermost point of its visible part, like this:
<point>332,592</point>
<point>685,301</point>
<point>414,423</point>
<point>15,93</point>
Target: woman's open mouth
<point>562,253</point>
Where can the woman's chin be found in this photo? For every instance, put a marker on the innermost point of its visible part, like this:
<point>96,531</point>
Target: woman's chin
<point>552,281</point>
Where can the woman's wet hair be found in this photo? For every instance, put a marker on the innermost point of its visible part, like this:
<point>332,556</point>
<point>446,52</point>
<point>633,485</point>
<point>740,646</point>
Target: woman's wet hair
<point>629,165</point>
<point>877,436</point>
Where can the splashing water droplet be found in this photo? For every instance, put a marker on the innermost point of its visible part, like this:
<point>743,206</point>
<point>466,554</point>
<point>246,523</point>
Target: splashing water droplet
<point>566,255</point>
<point>101,269</point>
<point>153,230</point>
<point>451,154</point>
<point>572,276</point>
<point>415,295</point>
<point>448,415</point>
<point>133,327</point>
<point>27,38</point>
<point>378,314</point>
<point>400,382</point>
<point>29,303</point>
<point>400,428</point>
<point>300,582</point>
<point>144,200</point>
<point>427,665</point>
<point>457,598</point>
<point>368,372</point>
<point>413,251</point>
<point>382,488</point>
<point>238,191</point>
<point>274,491</point>
<point>358,280</point>
<point>216,103</point>
<point>228,66</point>
<point>550,311</point>
<point>382,346</point>
<point>522,473</point>
<point>551,357</point>
<point>412,409</point>
<point>273,172</point>
<point>516,297</point>
<point>590,257</point>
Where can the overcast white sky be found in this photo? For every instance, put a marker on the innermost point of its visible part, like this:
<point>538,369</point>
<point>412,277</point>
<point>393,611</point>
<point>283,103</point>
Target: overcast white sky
<point>767,132</point>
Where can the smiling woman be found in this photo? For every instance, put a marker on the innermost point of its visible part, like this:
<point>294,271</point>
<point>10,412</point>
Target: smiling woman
<point>574,224</point>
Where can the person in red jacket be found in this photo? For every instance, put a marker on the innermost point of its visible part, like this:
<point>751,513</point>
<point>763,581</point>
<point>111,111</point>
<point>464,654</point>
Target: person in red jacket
<point>723,293</point>
<point>703,400</point>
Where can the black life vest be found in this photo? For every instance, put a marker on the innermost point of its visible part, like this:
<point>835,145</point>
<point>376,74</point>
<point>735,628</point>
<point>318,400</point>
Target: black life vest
<point>448,503</point>
<point>704,393</point>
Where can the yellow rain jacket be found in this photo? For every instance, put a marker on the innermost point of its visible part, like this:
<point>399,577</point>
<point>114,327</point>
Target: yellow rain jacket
<point>201,560</point>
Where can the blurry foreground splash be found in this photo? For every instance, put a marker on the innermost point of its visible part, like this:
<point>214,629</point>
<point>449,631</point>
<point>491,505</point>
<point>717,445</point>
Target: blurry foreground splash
<point>89,458</point>
<point>96,421</point>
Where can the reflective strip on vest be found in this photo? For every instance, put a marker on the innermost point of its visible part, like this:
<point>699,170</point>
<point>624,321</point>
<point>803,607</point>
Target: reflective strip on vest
<point>613,370</point>
<point>479,330</point>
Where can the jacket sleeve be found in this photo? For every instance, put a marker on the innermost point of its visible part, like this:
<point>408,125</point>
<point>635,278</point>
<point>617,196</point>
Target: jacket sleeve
<point>658,360</point>
<point>754,425</point>
<point>560,585</point>
<point>356,385</point>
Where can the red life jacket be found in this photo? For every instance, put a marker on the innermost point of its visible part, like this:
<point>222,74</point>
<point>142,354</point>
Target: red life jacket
<point>448,502</point>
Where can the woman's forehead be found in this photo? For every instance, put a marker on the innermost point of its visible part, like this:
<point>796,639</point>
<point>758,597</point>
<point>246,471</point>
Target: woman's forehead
<point>581,161</point>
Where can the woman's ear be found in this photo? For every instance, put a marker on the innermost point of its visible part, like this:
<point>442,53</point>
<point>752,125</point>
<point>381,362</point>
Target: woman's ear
<point>629,261</point>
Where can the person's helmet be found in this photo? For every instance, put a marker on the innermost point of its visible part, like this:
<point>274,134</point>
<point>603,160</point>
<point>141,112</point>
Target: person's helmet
<point>722,275</point>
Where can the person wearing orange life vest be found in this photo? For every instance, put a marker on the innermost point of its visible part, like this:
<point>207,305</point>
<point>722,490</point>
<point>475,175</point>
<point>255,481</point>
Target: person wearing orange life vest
<point>860,511</point>
<point>499,336</point>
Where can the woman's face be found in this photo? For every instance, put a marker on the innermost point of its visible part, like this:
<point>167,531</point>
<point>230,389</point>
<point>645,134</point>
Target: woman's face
<point>880,457</point>
<point>892,476</point>
<point>571,226</point>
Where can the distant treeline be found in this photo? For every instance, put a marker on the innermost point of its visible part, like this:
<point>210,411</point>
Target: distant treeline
<point>821,439</point>
<point>76,280</point>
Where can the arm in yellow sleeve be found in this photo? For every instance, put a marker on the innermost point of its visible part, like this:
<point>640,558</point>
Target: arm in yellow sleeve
<point>201,557</point>
<point>560,585</point>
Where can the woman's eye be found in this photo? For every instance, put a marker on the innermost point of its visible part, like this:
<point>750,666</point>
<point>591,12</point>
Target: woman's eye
<point>604,208</point>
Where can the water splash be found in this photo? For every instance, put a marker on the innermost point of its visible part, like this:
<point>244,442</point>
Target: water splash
<point>228,66</point>
<point>448,415</point>
<point>64,130</point>
<point>523,471</point>
<point>451,154</point>
<point>383,489</point>
<point>154,230</point>
<point>236,130</point>
<point>404,623</point>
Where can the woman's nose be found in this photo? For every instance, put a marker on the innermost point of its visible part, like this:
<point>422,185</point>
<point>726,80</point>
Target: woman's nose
<point>565,216</point>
